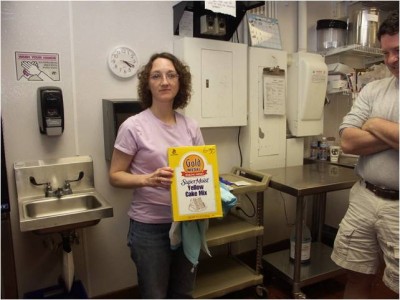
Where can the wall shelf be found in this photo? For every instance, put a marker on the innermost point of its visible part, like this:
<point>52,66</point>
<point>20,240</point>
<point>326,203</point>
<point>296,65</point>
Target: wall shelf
<point>355,50</point>
<point>355,55</point>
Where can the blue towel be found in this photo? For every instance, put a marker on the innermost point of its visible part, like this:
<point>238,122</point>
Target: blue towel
<point>228,199</point>
<point>191,235</point>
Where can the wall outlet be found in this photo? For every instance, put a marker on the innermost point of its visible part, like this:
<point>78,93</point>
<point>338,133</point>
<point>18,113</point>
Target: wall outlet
<point>220,28</point>
<point>207,24</point>
<point>213,25</point>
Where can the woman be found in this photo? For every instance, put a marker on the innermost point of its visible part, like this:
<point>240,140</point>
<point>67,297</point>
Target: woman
<point>140,162</point>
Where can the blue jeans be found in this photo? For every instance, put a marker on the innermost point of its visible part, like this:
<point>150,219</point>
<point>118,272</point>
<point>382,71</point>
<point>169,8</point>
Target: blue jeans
<point>162,272</point>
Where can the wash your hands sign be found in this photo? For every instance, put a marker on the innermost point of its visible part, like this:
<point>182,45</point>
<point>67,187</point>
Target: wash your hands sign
<point>31,66</point>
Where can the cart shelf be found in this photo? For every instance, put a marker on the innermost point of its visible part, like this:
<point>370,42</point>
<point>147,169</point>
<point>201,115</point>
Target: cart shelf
<point>223,275</point>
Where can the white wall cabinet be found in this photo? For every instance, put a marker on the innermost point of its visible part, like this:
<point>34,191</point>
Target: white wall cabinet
<point>219,80</point>
<point>264,139</point>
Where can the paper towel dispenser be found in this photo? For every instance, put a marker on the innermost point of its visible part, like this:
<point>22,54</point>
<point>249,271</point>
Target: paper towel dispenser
<point>115,112</point>
<point>307,83</point>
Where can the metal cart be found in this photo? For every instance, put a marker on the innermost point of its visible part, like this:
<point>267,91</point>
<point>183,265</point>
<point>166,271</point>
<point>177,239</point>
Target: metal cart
<point>219,276</point>
<point>316,179</point>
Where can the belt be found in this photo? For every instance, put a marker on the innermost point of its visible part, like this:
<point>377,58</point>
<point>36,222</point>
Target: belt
<point>382,192</point>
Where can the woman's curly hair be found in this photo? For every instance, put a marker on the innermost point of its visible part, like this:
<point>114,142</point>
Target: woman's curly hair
<point>182,98</point>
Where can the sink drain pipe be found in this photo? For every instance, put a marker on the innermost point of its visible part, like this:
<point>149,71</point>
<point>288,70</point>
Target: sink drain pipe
<point>68,260</point>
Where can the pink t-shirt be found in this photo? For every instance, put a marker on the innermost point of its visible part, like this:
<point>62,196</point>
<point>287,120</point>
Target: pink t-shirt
<point>147,139</point>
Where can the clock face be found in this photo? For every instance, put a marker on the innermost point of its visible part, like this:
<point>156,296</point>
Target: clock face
<point>123,62</point>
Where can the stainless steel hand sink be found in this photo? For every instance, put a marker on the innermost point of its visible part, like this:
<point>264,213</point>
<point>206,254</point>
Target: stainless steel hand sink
<point>65,205</point>
<point>52,214</point>
<point>47,207</point>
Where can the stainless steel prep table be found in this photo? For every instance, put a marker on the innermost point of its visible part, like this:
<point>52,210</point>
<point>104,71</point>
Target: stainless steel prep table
<point>316,179</point>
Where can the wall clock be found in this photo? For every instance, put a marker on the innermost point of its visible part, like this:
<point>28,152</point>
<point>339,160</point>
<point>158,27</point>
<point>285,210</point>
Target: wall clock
<point>123,62</point>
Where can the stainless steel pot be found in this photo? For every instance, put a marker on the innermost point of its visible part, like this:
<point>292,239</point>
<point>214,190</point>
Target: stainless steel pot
<point>363,27</point>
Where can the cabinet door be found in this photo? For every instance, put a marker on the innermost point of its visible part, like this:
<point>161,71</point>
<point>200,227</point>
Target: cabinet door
<point>216,87</point>
<point>219,80</point>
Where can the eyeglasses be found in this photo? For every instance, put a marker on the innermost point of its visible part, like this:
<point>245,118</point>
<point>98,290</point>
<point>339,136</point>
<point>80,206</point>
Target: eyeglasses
<point>170,76</point>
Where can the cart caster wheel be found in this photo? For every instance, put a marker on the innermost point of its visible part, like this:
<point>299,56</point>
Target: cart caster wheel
<point>299,295</point>
<point>262,292</point>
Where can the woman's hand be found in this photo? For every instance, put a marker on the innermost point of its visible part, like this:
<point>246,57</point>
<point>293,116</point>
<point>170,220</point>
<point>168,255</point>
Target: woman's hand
<point>162,177</point>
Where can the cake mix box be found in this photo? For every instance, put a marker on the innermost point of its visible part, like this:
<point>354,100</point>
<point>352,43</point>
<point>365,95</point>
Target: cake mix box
<point>195,190</point>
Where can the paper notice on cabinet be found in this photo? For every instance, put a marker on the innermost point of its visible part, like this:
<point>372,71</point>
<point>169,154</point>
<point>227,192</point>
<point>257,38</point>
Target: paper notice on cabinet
<point>195,191</point>
<point>274,91</point>
<point>223,7</point>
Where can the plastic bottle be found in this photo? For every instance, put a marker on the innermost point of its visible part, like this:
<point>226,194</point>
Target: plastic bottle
<point>305,244</point>
<point>323,149</point>
<point>314,149</point>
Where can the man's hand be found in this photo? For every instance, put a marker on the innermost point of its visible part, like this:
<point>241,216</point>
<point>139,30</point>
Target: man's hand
<point>384,130</point>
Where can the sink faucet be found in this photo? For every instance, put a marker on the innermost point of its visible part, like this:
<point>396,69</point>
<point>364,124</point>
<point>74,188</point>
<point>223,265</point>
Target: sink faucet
<point>65,190</point>
<point>59,193</point>
<point>48,190</point>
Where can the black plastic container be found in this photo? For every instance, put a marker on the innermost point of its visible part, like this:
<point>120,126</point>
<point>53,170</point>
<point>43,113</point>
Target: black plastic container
<point>331,34</point>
